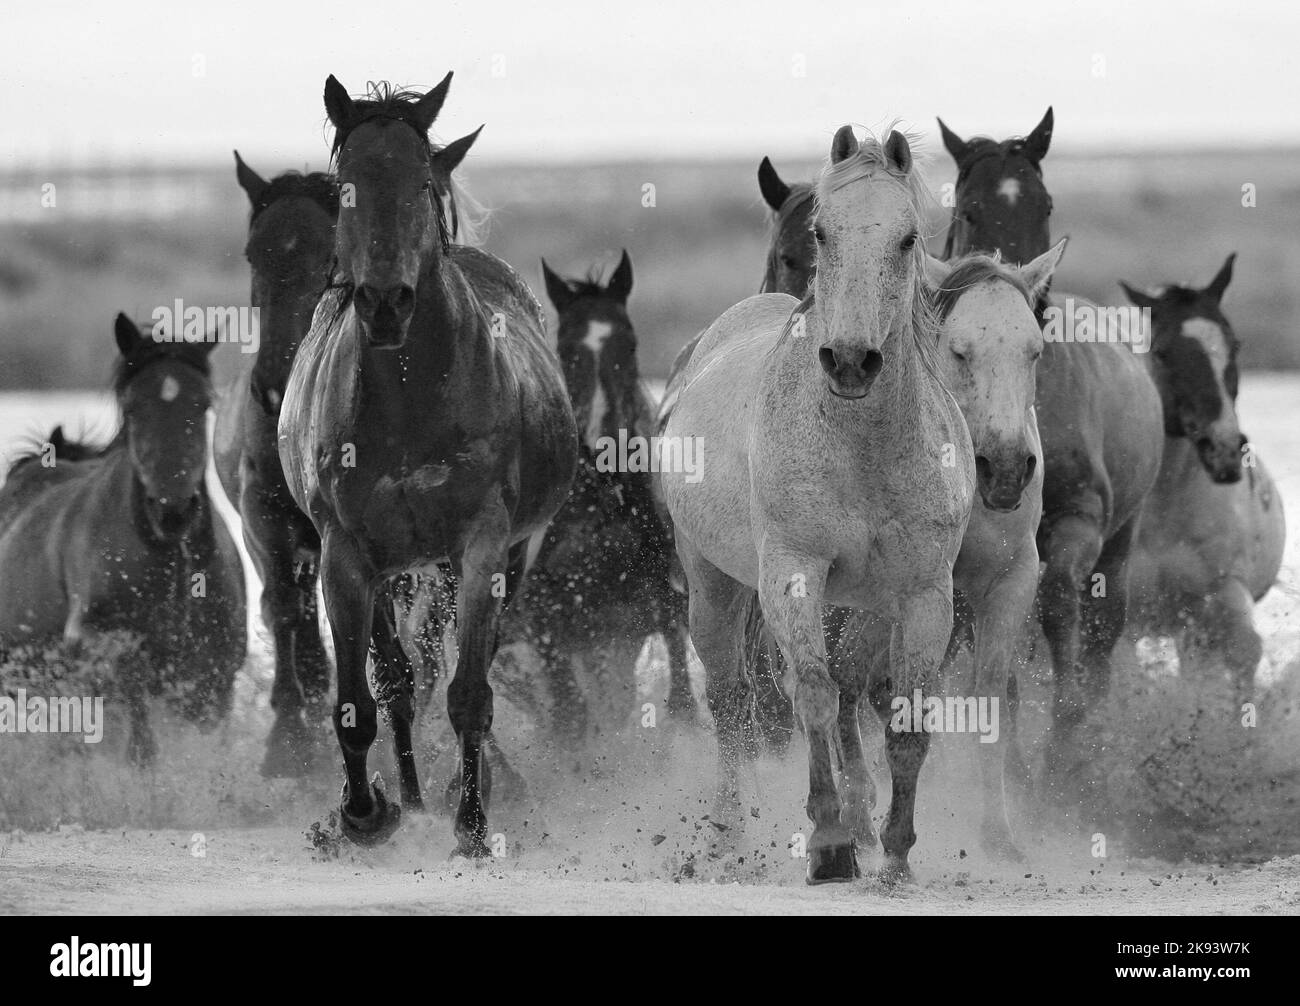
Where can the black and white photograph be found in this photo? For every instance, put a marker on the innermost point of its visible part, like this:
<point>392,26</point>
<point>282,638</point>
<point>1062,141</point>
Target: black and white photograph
<point>492,458</point>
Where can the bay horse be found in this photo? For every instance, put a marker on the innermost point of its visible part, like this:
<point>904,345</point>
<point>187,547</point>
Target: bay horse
<point>425,421</point>
<point>600,581</point>
<point>290,252</point>
<point>1210,544</point>
<point>837,468</point>
<point>126,539</point>
<point>1100,421</point>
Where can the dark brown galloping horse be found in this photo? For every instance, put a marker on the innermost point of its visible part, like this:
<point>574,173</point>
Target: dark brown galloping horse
<point>290,251</point>
<point>425,421</point>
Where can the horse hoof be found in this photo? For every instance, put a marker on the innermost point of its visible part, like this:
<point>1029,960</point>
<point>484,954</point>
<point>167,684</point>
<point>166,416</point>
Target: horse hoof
<point>833,864</point>
<point>376,827</point>
<point>896,871</point>
<point>471,848</point>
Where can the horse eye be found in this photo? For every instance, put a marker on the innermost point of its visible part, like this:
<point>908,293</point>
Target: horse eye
<point>819,234</point>
<point>960,356</point>
<point>789,262</point>
<point>909,242</point>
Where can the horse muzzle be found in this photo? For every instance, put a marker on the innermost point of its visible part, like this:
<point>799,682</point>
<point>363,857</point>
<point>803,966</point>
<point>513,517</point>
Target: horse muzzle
<point>1220,461</point>
<point>850,372</point>
<point>1001,481</point>
<point>170,517</point>
<point>385,314</point>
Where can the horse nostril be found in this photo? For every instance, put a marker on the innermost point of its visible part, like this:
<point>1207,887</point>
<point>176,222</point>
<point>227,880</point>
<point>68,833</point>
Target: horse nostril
<point>367,299</point>
<point>402,301</point>
<point>868,364</point>
<point>871,364</point>
<point>1031,463</point>
<point>983,468</point>
<point>827,357</point>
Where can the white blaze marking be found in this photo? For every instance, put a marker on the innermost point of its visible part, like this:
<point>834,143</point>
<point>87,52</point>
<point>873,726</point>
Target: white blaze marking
<point>597,333</point>
<point>1009,190</point>
<point>170,389</point>
<point>1215,344</point>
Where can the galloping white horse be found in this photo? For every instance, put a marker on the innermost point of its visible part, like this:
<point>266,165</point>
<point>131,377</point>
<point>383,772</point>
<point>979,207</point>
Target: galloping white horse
<point>837,469</point>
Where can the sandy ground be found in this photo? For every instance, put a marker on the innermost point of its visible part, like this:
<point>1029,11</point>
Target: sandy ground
<point>265,870</point>
<point>626,827</point>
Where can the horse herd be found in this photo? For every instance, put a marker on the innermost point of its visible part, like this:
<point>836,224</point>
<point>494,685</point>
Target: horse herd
<point>897,465</point>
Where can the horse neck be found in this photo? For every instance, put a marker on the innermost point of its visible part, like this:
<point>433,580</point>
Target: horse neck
<point>449,335</point>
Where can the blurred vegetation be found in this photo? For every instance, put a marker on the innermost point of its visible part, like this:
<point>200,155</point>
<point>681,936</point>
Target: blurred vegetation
<point>65,271</point>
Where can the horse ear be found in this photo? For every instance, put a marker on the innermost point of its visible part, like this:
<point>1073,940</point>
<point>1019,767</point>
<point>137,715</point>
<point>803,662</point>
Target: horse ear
<point>1221,281</point>
<point>899,152</point>
<point>1037,274</point>
<point>127,335</point>
<point>775,192</point>
<point>556,288</point>
<point>936,271</point>
<point>1139,298</point>
<point>338,105</point>
<point>620,284</point>
<point>844,144</point>
<point>428,107</point>
<point>953,143</point>
<point>449,157</point>
<point>1037,142</point>
<point>249,180</point>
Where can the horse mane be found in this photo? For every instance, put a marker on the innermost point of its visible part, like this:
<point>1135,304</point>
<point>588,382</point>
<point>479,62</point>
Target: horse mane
<point>969,272</point>
<point>870,158</point>
<point>318,186</point>
<point>384,100</point>
<point>800,193</point>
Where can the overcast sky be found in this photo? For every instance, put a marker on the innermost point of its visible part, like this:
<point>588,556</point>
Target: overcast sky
<point>607,79</point>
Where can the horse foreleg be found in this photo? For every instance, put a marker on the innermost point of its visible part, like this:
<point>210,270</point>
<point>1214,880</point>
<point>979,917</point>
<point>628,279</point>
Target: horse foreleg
<point>859,649</point>
<point>395,677</point>
<point>1072,549</point>
<point>367,817</point>
<point>482,573</point>
<point>1230,626</point>
<point>790,590</point>
<point>717,611</point>
<point>269,540</point>
<point>1001,614</point>
<point>916,648</point>
<point>681,700</point>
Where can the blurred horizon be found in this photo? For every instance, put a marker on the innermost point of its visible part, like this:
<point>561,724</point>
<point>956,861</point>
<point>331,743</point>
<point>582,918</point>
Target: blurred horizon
<point>582,81</point>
